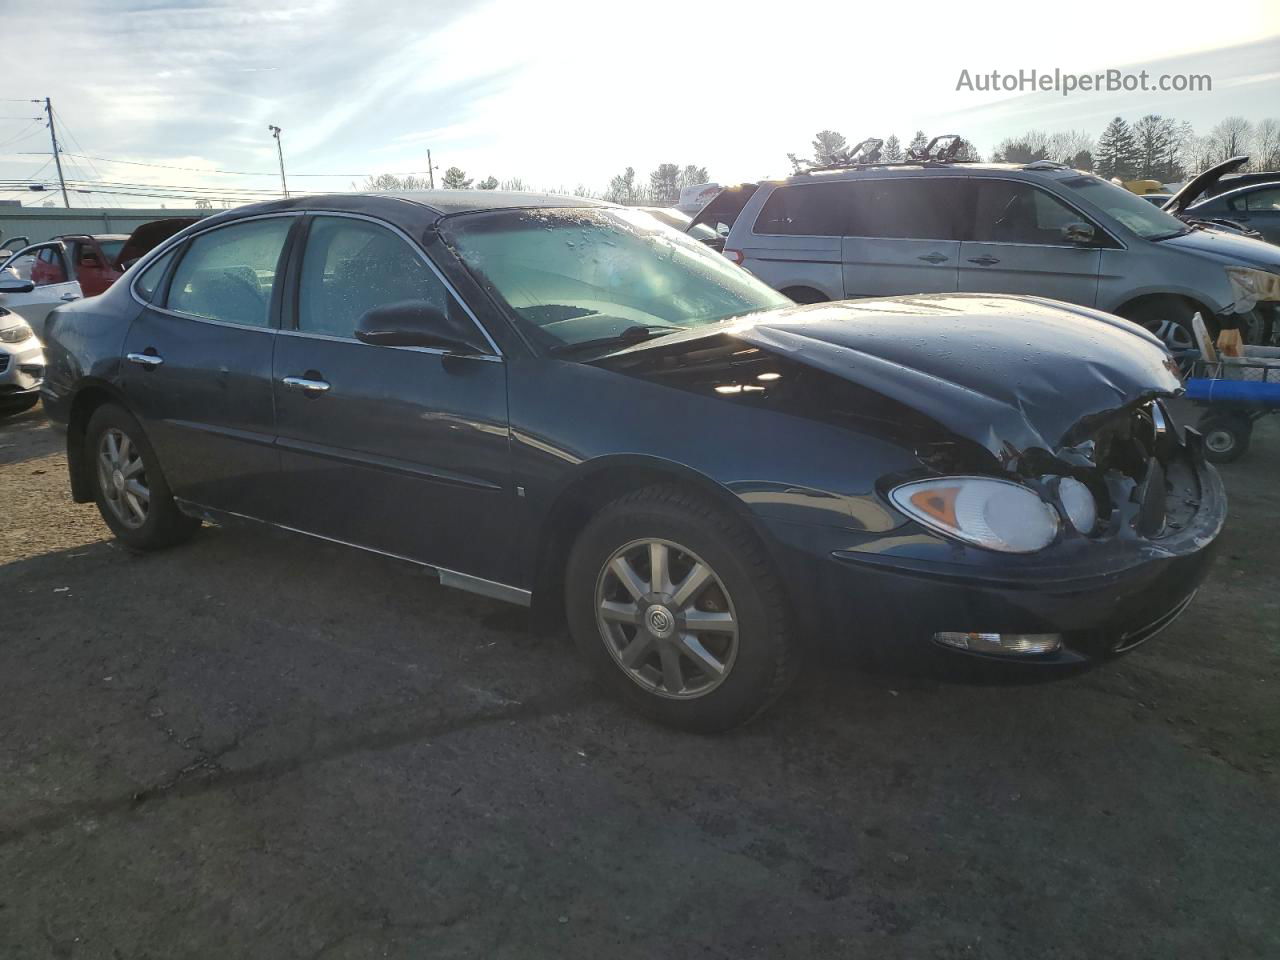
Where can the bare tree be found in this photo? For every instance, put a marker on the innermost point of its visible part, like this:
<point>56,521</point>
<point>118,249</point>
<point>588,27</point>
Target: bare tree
<point>1231,137</point>
<point>664,184</point>
<point>516,184</point>
<point>622,188</point>
<point>692,175</point>
<point>1266,145</point>
<point>1065,145</point>
<point>386,182</point>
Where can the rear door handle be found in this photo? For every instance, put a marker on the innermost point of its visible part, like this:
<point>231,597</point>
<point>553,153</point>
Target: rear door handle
<point>148,360</point>
<point>933,258</point>
<point>986,260</point>
<point>311,387</point>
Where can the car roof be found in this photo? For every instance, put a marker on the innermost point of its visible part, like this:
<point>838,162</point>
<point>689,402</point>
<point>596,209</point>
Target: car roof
<point>95,236</point>
<point>450,202</point>
<point>1042,168</point>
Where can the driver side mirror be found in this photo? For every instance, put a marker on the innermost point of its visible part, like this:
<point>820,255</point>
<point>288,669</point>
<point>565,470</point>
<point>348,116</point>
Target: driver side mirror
<point>417,323</point>
<point>1080,234</point>
<point>14,285</point>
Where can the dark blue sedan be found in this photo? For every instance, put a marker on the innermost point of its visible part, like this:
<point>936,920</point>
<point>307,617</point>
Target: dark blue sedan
<point>568,404</point>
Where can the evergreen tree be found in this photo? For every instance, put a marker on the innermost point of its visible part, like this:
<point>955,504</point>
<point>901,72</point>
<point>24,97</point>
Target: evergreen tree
<point>455,178</point>
<point>892,150</point>
<point>1117,154</point>
<point>488,183</point>
<point>828,147</point>
<point>918,143</point>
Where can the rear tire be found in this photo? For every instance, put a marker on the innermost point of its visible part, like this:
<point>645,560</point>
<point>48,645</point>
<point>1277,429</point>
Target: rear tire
<point>704,644</point>
<point>1226,436</point>
<point>805,295</point>
<point>128,485</point>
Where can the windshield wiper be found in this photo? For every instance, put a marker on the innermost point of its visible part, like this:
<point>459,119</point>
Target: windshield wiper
<point>634,334</point>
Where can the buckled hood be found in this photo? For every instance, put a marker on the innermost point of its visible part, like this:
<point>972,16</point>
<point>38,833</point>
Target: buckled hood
<point>1009,373</point>
<point>1198,185</point>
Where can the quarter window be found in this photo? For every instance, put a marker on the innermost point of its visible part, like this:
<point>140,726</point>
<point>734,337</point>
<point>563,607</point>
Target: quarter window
<point>1264,200</point>
<point>228,273</point>
<point>906,208</point>
<point>806,209</point>
<point>149,283</point>
<point>1010,212</point>
<point>352,266</point>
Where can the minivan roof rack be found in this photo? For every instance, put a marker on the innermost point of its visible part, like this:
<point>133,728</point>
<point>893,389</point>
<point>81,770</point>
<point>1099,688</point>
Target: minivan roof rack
<point>1045,165</point>
<point>867,154</point>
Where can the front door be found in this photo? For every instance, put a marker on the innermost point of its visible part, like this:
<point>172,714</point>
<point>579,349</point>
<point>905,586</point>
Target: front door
<point>197,365</point>
<point>1017,245</point>
<point>45,266</point>
<point>902,236</point>
<point>399,449</point>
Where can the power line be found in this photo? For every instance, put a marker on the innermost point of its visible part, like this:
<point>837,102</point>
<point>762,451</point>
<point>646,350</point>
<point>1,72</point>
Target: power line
<point>233,173</point>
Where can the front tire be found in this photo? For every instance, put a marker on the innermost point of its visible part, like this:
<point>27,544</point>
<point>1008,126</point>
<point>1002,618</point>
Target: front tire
<point>129,486</point>
<point>676,607</point>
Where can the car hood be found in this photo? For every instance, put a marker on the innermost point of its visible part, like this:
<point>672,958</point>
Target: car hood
<point>148,236</point>
<point>1230,248</point>
<point>1198,185</point>
<point>1012,374</point>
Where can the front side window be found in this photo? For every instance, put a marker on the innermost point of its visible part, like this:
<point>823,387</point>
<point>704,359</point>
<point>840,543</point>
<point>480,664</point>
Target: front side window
<point>906,208</point>
<point>1147,221</point>
<point>22,265</point>
<point>49,267</point>
<point>1009,212</point>
<point>350,267</point>
<point>1263,201</point>
<point>572,275</point>
<point>227,274</point>
<point>804,209</point>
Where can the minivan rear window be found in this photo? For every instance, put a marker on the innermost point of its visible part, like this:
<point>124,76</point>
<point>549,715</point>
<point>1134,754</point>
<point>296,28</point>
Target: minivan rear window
<point>805,209</point>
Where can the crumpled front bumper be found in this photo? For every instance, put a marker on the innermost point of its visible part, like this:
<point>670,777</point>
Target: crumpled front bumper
<point>886,607</point>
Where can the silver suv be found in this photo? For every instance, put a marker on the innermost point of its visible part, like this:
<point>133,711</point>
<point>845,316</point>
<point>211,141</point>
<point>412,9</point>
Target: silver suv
<point>1041,229</point>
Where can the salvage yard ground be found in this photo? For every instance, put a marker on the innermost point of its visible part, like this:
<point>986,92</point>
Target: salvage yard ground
<point>258,745</point>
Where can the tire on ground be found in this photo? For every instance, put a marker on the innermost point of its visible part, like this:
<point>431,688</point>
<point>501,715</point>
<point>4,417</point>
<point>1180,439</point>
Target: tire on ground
<point>766,657</point>
<point>165,524</point>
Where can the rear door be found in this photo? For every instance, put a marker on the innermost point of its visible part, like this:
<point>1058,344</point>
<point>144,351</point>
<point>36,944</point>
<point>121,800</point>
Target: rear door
<point>1016,245</point>
<point>197,367</point>
<point>902,236</point>
<point>400,449</point>
<point>44,265</point>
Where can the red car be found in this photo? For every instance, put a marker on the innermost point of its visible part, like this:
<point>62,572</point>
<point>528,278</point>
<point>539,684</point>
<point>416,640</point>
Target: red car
<point>97,261</point>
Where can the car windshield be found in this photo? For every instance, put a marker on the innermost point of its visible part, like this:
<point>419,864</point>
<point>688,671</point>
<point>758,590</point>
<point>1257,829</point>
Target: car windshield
<point>586,274</point>
<point>1141,216</point>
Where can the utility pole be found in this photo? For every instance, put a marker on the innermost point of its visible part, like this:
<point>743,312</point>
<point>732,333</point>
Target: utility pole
<point>275,132</point>
<point>431,171</point>
<point>57,159</point>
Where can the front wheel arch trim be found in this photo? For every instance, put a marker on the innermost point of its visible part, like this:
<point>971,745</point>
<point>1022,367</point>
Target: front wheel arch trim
<point>88,397</point>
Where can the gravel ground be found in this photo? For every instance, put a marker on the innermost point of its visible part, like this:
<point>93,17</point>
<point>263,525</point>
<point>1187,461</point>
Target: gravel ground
<point>257,745</point>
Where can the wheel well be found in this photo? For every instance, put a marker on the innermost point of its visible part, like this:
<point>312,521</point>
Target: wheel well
<point>1133,307</point>
<point>585,497</point>
<point>85,403</point>
<point>805,295</point>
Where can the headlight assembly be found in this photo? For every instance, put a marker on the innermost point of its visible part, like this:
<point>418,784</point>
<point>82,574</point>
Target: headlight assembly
<point>1249,287</point>
<point>989,513</point>
<point>15,333</point>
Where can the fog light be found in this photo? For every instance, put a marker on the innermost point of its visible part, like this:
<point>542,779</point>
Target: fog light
<point>1007,643</point>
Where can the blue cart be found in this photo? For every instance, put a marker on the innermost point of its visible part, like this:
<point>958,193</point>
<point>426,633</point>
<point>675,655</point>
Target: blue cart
<point>1237,392</point>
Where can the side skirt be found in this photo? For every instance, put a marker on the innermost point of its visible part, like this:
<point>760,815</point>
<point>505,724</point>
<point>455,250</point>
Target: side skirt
<point>448,578</point>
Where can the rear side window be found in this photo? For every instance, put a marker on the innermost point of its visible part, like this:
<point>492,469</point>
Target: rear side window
<point>805,209</point>
<point>1264,200</point>
<point>1010,212</point>
<point>227,274</point>
<point>907,208</point>
<point>148,284</point>
<point>351,267</point>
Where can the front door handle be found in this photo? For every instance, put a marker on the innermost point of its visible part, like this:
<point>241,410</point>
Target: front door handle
<point>68,297</point>
<point>985,260</point>
<point>148,360</point>
<point>933,258</point>
<point>312,388</point>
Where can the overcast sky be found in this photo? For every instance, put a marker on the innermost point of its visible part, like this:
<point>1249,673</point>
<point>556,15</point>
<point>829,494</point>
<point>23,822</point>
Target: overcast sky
<point>562,93</point>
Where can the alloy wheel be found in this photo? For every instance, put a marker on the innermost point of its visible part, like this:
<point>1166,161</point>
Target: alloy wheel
<point>1172,334</point>
<point>666,619</point>
<point>122,477</point>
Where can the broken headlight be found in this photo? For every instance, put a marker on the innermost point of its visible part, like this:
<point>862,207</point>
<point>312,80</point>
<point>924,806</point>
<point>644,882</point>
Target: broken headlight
<point>990,513</point>
<point>1078,504</point>
<point>15,333</point>
<point>1249,287</point>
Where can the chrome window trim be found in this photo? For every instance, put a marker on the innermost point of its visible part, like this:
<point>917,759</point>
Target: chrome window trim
<point>422,255</point>
<point>302,334</point>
